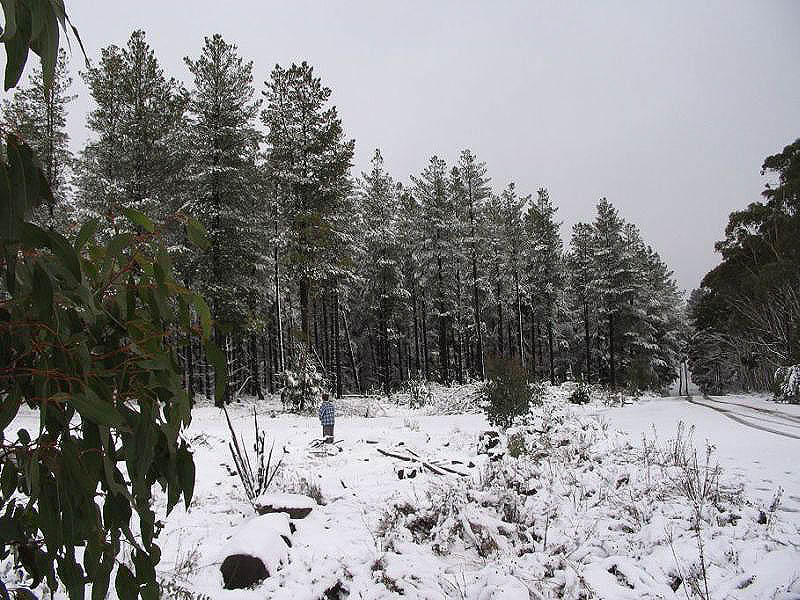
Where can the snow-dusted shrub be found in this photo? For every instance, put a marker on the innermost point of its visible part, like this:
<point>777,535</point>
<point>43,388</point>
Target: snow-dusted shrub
<point>419,392</point>
<point>508,391</point>
<point>581,394</point>
<point>303,386</point>
<point>787,384</point>
<point>516,444</point>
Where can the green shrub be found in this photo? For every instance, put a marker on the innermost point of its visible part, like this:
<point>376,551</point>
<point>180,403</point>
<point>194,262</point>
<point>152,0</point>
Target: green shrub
<point>507,391</point>
<point>581,394</point>
<point>517,445</point>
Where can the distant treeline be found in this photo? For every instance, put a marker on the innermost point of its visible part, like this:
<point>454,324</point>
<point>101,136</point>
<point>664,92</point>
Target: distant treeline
<point>375,280</point>
<point>746,314</point>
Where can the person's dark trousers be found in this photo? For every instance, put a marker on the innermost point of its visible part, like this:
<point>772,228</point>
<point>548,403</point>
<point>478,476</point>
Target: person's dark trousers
<point>327,432</point>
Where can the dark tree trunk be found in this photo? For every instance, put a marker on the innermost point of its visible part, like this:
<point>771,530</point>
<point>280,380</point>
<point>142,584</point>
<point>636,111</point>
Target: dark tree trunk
<point>255,367</point>
<point>266,351</point>
<point>534,354</point>
<point>337,344</point>
<point>305,290</point>
<point>316,327</point>
<point>326,357</point>
<point>425,336</point>
<point>611,349</point>
<point>387,359</point>
<point>588,345</point>
<point>220,341</point>
<point>190,370</point>
<point>519,320</point>
<point>351,354</point>
<point>500,344</point>
<point>416,326</point>
<point>480,366</point>
<point>550,352</point>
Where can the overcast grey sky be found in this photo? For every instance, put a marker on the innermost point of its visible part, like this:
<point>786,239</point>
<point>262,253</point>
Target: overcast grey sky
<point>666,108</point>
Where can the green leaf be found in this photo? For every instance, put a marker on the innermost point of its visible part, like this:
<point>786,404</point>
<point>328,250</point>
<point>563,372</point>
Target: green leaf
<point>33,236</point>
<point>9,10</point>
<point>18,195</point>
<point>42,293</point>
<point>125,584</point>
<point>11,268</point>
<point>9,220</point>
<point>38,189</point>
<point>186,473</point>
<point>197,233</point>
<point>203,314</point>
<point>91,407</point>
<point>217,360</point>
<point>45,34</point>
<point>17,47</point>
<point>88,229</point>
<point>140,219</point>
<point>114,247</point>
<point>9,408</point>
<point>67,253</point>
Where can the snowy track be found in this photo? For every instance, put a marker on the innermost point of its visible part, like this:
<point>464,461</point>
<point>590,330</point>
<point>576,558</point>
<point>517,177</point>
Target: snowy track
<point>740,427</point>
<point>769,420</point>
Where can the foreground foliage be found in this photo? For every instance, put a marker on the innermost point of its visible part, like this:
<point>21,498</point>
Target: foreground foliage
<point>86,336</point>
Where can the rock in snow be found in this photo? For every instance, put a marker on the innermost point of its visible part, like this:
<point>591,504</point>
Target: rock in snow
<point>256,550</point>
<point>296,506</point>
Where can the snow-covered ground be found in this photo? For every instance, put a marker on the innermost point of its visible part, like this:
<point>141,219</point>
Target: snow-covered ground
<point>761,460</point>
<point>596,505</point>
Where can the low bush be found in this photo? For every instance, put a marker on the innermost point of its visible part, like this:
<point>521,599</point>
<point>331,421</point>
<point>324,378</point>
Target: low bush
<point>581,394</point>
<point>508,393</point>
<point>516,444</point>
<point>419,392</point>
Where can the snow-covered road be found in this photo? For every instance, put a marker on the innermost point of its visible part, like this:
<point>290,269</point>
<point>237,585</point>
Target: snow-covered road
<point>757,441</point>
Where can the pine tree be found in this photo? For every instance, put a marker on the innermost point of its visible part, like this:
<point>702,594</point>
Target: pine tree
<point>137,156</point>
<point>475,192</point>
<point>225,185</point>
<point>382,254</point>
<point>611,277</point>
<point>38,115</point>
<point>224,143</point>
<point>545,267</point>
<point>580,266</point>
<point>309,159</point>
<point>438,252</point>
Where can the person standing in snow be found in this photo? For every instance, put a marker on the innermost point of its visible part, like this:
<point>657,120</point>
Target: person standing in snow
<point>327,416</point>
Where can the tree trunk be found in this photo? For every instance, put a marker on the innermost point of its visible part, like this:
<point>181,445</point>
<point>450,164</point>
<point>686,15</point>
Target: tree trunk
<point>305,292</point>
<point>255,367</point>
<point>337,345</point>
<point>387,359</point>
<point>481,366</point>
<point>356,378</point>
<point>611,349</point>
<point>425,336</point>
<point>266,351</point>
<point>416,327</point>
<point>500,344</point>
<point>550,351</point>
<point>519,319</point>
<point>588,346</point>
<point>189,370</point>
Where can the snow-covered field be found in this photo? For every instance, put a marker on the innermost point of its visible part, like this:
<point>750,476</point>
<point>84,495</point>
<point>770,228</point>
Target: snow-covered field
<point>597,504</point>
